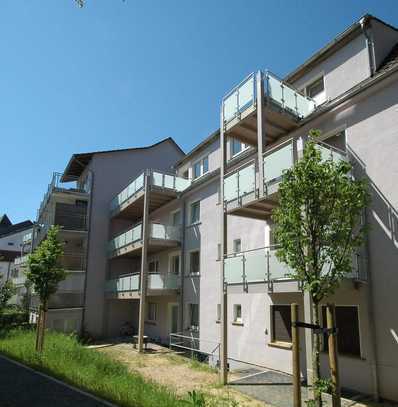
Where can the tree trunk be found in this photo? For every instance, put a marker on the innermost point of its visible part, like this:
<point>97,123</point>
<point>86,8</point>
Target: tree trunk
<point>38,329</point>
<point>316,365</point>
<point>43,326</point>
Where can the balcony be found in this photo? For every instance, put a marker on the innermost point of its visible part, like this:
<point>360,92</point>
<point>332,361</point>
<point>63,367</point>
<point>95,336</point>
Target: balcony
<point>56,186</point>
<point>20,261</point>
<point>128,285</point>
<point>129,243</point>
<point>241,186</point>
<point>73,261</point>
<point>284,108</point>
<point>163,188</point>
<point>262,266</point>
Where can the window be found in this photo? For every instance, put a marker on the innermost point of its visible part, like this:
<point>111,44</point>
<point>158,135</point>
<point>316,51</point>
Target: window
<point>238,313</point>
<point>219,251</point>
<point>153,266</point>
<point>237,147</point>
<point>194,262</point>
<point>316,91</point>
<point>152,311</point>
<point>200,168</point>
<point>218,312</point>
<point>347,322</point>
<point>237,246</point>
<point>281,323</point>
<point>176,218</point>
<point>175,264</point>
<point>195,212</point>
<point>10,244</point>
<point>194,316</point>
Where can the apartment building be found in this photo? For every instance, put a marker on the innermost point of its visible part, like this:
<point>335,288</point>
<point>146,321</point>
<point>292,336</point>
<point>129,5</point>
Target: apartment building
<point>12,247</point>
<point>183,243</point>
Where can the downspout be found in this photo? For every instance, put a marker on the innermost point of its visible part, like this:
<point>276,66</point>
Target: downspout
<point>367,32</point>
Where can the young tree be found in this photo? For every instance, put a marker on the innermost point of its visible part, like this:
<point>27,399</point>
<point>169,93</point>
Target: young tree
<point>7,290</point>
<point>45,273</point>
<point>317,225</point>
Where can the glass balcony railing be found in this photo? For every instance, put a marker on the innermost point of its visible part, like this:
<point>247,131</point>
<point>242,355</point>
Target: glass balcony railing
<point>260,265</point>
<point>241,183</point>
<point>131,282</point>
<point>285,96</point>
<point>329,152</point>
<point>133,235</point>
<point>21,260</point>
<point>277,160</point>
<point>19,280</point>
<point>27,238</point>
<point>157,179</point>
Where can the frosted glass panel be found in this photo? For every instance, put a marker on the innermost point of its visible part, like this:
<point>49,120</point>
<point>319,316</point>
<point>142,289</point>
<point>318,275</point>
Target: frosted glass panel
<point>289,96</point>
<point>139,182</point>
<point>277,269</point>
<point>246,94</point>
<point>158,231</point>
<point>274,90</point>
<point>277,161</point>
<point>169,181</point>
<point>256,265</point>
<point>157,179</point>
<point>231,187</point>
<point>304,106</point>
<point>247,180</point>
<point>233,270</point>
<point>182,184</point>
<point>230,106</point>
<point>137,233</point>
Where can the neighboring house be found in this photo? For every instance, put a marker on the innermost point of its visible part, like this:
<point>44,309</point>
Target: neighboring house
<point>11,245</point>
<point>164,247</point>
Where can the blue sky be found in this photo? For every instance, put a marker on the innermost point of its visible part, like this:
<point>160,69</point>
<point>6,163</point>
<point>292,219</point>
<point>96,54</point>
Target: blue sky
<point>122,74</point>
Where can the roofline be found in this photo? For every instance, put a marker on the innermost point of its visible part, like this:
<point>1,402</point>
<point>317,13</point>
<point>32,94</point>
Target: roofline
<point>333,46</point>
<point>208,140</point>
<point>76,156</point>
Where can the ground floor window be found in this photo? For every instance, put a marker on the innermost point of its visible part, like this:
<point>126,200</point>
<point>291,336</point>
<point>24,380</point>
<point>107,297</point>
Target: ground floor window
<point>238,313</point>
<point>347,322</point>
<point>152,311</point>
<point>193,316</point>
<point>281,323</point>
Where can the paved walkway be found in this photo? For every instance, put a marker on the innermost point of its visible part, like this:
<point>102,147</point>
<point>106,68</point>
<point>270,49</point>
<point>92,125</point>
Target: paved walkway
<point>21,387</point>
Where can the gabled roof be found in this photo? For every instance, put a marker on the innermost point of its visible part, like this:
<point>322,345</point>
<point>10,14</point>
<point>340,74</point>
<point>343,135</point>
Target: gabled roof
<point>78,162</point>
<point>343,38</point>
<point>4,221</point>
<point>18,227</point>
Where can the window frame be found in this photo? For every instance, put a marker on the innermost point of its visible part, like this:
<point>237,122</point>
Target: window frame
<point>157,263</point>
<point>237,319</point>
<point>243,148</point>
<point>155,309</point>
<point>234,244</point>
<point>311,83</point>
<point>200,164</point>
<point>274,340</point>
<point>191,205</point>
<point>172,256</point>
<point>324,339</point>
<point>190,253</point>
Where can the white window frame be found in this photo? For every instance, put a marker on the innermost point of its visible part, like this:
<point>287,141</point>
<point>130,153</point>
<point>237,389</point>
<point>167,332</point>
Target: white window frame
<point>201,167</point>
<point>193,222</point>
<point>321,97</point>
<point>244,147</point>
<point>157,262</point>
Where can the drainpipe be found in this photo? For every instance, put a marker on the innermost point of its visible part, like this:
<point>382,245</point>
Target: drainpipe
<point>182,265</point>
<point>367,32</point>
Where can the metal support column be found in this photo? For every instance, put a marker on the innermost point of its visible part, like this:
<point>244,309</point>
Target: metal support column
<point>144,263</point>
<point>223,243</point>
<point>260,131</point>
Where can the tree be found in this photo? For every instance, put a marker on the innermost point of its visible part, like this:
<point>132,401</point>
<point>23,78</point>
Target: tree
<point>7,290</point>
<point>45,273</point>
<point>317,225</point>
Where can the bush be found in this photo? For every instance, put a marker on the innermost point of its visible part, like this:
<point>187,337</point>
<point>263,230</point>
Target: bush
<point>13,316</point>
<point>65,358</point>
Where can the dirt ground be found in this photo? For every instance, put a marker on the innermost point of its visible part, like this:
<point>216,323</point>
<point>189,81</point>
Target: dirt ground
<point>182,375</point>
<point>176,372</point>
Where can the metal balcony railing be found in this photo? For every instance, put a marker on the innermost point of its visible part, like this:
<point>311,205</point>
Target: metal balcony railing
<point>133,235</point>
<point>278,92</point>
<point>56,184</point>
<point>262,265</point>
<point>157,178</point>
<point>131,282</point>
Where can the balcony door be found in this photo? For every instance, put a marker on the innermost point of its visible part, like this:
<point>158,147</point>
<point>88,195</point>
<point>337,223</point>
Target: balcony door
<point>173,318</point>
<point>175,264</point>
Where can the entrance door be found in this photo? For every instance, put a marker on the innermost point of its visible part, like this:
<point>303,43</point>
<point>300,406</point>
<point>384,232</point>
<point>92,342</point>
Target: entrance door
<point>173,313</point>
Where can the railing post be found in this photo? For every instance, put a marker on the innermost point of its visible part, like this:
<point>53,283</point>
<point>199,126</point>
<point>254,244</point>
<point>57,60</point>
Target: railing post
<point>144,265</point>
<point>260,131</point>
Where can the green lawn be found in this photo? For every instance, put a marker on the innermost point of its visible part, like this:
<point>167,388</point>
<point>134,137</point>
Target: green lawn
<point>66,359</point>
